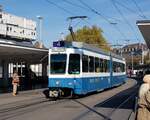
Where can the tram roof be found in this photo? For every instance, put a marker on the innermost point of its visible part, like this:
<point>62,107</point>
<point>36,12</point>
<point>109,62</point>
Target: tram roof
<point>86,46</point>
<point>16,53</point>
<point>144,27</point>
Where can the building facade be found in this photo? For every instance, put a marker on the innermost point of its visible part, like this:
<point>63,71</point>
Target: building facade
<point>17,52</point>
<point>12,26</point>
<point>135,54</point>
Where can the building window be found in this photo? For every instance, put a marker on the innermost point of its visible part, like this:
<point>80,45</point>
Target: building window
<point>20,67</point>
<point>10,69</point>
<point>7,28</point>
<point>133,49</point>
<point>10,28</point>
<point>2,21</point>
<point>37,69</point>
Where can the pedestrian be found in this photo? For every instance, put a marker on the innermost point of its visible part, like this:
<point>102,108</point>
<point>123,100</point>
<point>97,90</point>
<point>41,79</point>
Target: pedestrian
<point>15,82</point>
<point>32,79</point>
<point>143,112</point>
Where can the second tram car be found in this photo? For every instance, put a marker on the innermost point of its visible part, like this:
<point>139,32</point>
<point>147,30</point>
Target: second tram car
<point>78,68</point>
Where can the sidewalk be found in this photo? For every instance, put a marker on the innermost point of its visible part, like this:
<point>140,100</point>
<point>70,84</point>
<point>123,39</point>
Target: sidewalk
<point>7,98</point>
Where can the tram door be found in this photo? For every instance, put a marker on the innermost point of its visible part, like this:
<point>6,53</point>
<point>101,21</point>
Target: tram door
<point>74,66</point>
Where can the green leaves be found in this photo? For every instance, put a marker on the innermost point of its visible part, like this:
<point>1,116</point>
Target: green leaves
<point>91,35</point>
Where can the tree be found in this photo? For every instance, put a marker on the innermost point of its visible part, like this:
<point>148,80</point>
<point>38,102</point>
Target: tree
<point>91,35</point>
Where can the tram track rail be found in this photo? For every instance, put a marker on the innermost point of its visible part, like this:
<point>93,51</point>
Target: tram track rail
<point>20,104</point>
<point>26,106</point>
<point>132,96</point>
<point>110,114</point>
<point>115,110</point>
<point>12,110</point>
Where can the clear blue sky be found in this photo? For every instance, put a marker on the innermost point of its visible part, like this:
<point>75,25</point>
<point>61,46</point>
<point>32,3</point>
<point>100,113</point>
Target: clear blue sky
<point>55,19</point>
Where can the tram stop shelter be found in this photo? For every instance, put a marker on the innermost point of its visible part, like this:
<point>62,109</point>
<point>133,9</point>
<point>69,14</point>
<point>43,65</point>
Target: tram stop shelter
<point>144,27</point>
<point>20,56</point>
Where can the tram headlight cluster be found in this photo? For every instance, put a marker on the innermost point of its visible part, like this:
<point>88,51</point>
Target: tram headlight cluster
<point>57,82</point>
<point>70,83</point>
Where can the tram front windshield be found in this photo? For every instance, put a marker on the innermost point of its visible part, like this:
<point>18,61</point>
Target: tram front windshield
<point>58,63</point>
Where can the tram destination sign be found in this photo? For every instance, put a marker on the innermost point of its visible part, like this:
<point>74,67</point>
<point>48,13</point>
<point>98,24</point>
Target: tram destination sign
<point>59,44</point>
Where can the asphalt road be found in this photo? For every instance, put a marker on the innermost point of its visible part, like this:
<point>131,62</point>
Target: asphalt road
<point>97,106</point>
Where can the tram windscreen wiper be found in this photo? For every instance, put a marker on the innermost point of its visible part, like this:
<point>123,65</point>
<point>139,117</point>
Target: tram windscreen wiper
<point>75,71</point>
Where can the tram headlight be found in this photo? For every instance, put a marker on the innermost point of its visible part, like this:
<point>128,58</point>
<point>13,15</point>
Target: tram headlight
<point>74,81</point>
<point>70,83</point>
<point>57,82</point>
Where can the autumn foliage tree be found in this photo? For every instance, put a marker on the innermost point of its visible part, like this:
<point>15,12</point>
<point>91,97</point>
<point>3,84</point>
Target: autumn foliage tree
<point>91,35</point>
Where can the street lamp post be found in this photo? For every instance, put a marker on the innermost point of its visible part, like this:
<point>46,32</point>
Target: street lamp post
<point>132,59</point>
<point>40,27</point>
<point>142,54</point>
<point>114,24</point>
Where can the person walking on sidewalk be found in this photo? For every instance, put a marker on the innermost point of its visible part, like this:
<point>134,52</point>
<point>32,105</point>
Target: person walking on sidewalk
<point>143,112</point>
<point>15,82</point>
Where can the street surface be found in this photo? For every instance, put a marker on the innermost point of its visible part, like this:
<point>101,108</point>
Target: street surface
<point>98,106</point>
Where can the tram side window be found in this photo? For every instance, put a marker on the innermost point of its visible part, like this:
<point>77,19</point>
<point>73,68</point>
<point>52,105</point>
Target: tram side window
<point>85,63</point>
<point>97,66</point>
<point>118,67</point>
<point>122,67</point>
<point>91,64</point>
<point>114,66</point>
<point>107,63</point>
<point>74,64</point>
<point>101,65</point>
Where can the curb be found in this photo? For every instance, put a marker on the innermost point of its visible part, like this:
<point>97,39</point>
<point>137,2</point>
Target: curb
<point>35,91</point>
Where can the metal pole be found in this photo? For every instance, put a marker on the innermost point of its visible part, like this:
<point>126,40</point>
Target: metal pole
<point>148,54</point>
<point>121,51</point>
<point>1,8</point>
<point>142,55</point>
<point>40,27</point>
<point>71,28</point>
<point>132,61</point>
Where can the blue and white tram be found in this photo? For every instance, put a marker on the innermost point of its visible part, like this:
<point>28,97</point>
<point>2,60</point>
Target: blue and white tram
<point>79,68</point>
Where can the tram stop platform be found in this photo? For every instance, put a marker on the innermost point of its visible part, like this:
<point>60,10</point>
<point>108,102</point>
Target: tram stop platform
<point>8,101</point>
<point>8,98</point>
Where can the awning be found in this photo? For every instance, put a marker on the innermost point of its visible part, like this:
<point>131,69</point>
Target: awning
<point>15,53</point>
<point>144,27</point>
